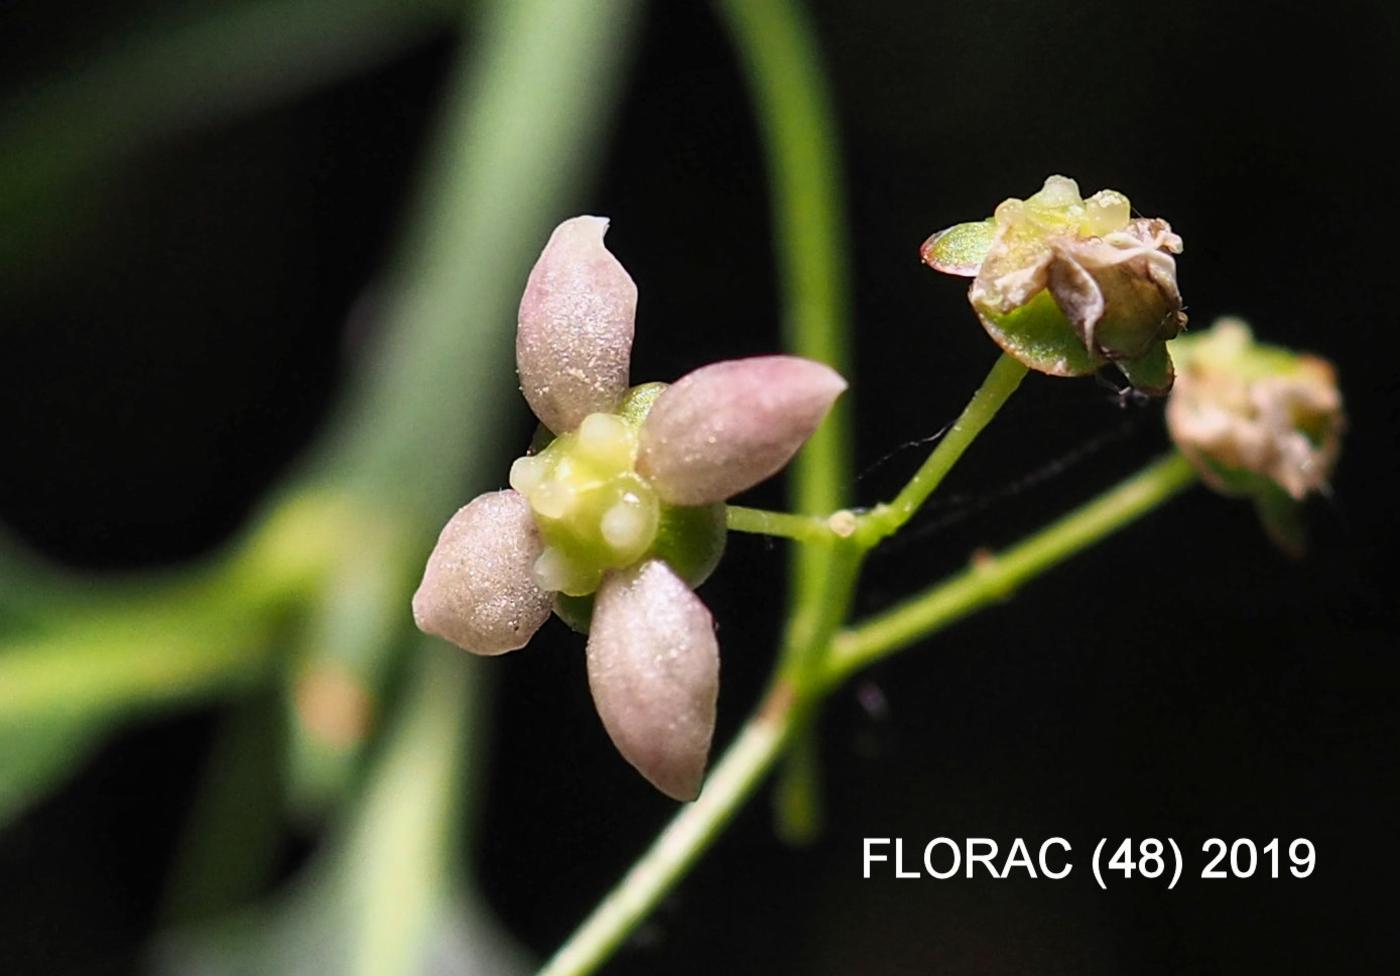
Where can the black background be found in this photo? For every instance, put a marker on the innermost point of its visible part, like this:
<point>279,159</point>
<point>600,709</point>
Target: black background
<point>179,332</point>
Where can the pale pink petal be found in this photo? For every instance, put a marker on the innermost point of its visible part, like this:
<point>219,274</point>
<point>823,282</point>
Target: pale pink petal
<point>727,426</point>
<point>653,666</point>
<point>478,590</point>
<point>574,343</point>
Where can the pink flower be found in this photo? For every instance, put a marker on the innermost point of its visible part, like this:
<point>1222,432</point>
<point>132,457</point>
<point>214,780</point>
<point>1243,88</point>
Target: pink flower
<point>623,507</point>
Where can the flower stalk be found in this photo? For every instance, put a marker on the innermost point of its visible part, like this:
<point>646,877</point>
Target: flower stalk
<point>1002,381</point>
<point>770,731</point>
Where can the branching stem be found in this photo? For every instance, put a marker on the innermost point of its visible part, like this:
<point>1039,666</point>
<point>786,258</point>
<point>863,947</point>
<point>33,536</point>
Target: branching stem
<point>780,717</point>
<point>996,577</point>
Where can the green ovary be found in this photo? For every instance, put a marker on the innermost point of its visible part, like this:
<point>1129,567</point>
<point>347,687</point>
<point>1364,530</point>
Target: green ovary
<point>593,511</point>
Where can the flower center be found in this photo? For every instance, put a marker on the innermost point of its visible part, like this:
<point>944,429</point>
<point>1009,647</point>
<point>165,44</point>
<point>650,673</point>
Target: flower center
<point>593,511</point>
<point>1058,209</point>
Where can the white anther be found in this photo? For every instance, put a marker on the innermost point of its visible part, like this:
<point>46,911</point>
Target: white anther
<point>552,499</point>
<point>552,571</point>
<point>625,525</point>
<point>604,437</point>
<point>527,473</point>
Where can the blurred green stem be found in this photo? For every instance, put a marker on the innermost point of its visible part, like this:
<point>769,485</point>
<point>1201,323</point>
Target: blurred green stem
<point>232,837</point>
<point>183,640</point>
<point>771,728</point>
<point>779,53</point>
<point>403,846</point>
<point>788,86</point>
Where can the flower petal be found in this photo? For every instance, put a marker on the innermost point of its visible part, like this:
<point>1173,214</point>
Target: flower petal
<point>727,426</point>
<point>478,590</point>
<point>574,342</point>
<point>653,666</point>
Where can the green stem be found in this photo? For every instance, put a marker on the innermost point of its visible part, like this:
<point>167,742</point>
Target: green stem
<point>781,718</point>
<point>996,577</point>
<point>996,389</point>
<point>689,835</point>
<point>798,812</point>
<point>782,62</point>
<point>521,127</point>
<point>800,528</point>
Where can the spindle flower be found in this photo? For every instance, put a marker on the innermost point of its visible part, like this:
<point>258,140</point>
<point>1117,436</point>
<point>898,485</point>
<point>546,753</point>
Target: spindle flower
<point>1066,285</point>
<point>620,512</point>
<point>1257,420</point>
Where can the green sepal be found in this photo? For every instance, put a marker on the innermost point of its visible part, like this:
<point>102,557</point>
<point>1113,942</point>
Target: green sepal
<point>960,249</point>
<point>637,402</point>
<point>1282,517</point>
<point>1151,372</point>
<point>691,540</point>
<point>1039,336</point>
<point>1280,514</point>
<point>543,438</point>
<point>575,611</point>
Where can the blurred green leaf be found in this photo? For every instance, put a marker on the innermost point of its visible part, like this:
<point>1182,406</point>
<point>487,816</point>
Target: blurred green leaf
<point>38,757</point>
<point>380,900</point>
<point>523,122</point>
<point>75,666</point>
<point>233,834</point>
<point>351,642</point>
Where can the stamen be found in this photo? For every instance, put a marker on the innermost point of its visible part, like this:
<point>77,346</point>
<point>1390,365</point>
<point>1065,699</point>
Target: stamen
<point>527,474</point>
<point>1105,212</point>
<point>604,439</point>
<point>552,570</point>
<point>552,499</point>
<point>626,526</point>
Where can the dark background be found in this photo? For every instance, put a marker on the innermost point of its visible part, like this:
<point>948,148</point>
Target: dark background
<point>179,331</point>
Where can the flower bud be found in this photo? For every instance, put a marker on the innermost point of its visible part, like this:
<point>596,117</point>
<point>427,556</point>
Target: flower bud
<point>1256,420</point>
<point>1065,284</point>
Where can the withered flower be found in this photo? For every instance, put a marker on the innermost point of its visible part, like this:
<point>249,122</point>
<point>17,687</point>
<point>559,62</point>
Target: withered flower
<point>620,514</point>
<point>1065,284</point>
<point>1257,421</point>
